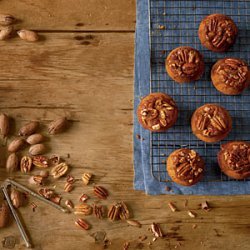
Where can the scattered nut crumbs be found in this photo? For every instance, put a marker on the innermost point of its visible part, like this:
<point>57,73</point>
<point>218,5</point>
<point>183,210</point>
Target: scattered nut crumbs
<point>205,206</point>
<point>143,237</point>
<point>126,245</point>
<point>172,207</point>
<point>191,214</point>
<point>33,206</point>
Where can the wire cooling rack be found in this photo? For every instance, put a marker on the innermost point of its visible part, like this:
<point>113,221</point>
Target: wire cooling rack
<point>175,23</point>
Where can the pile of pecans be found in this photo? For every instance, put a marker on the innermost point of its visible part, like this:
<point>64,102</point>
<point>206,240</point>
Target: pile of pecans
<point>7,30</point>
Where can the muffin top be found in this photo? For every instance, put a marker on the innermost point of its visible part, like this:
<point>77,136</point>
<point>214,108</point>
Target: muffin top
<point>185,62</point>
<point>157,111</point>
<point>236,156</point>
<point>211,120</point>
<point>219,30</point>
<point>232,72</point>
<point>188,165</point>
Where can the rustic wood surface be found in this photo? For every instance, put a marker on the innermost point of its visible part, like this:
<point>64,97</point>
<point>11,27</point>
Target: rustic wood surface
<point>83,68</point>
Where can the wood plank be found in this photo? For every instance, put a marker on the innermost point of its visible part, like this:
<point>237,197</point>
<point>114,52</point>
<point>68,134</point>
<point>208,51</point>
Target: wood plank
<point>73,14</point>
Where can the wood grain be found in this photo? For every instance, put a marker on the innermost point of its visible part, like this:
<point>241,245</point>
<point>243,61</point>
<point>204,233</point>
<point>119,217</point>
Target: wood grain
<point>76,15</point>
<point>89,78</point>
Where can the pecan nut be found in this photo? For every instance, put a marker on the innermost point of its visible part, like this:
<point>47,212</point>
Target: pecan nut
<point>68,187</point>
<point>17,198</point>
<point>26,164</point>
<point>83,197</point>
<point>29,128</point>
<point>101,192</point>
<point>99,211</point>
<point>156,230</point>
<point>84,209</point>
<point>82,224</point>
<point>86,178</point>
<point>4,214</point>
<point>12,163</point>
<point>16,145</point>
<point>59,170</point>
<point>58,126</point>
<point>40,161</point>
<point>7,19</point>
<point>37,149</point>
<point>69,204</point>
<point>35,139</point>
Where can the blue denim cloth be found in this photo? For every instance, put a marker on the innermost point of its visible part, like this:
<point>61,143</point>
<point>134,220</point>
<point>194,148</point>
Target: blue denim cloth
<point>144,179</point>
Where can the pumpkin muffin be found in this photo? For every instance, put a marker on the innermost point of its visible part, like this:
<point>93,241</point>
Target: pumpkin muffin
<point>234,159</point>
<point>211,123</point>
<point>185,167</point>
<point>157,112</point>
<point>185,64</point>
<point>230,76</point>
<point>217,32</point>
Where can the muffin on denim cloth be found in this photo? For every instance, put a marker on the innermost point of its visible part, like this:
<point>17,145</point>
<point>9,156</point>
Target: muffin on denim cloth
<point>157,112</point>
<point>185,64</point>
<point>217,32</point>
<point>185,166</point>
<point>211,123</point>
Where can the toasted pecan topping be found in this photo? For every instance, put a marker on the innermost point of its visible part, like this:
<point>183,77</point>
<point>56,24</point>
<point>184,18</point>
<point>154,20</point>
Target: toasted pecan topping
<point>232,72</point>
<point>185,61</point>
<point>220,31</point>
<point>212,120</point>
<point>158,111</point>
<point>237,157</point>
<point>188,165</point>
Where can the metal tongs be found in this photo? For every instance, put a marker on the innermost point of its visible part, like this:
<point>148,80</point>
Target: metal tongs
<point>16,185</point>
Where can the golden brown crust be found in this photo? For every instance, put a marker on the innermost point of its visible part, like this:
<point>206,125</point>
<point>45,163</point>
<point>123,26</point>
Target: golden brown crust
<point>185,167</point>
<point>217,32</point>
<point>234,159</point>
<point>184,64</point>
<point>230,76</point>
<point>157,112</point>
<point>211,123</point>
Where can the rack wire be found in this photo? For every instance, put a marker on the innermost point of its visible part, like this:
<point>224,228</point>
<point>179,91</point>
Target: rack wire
<point>180,20</point>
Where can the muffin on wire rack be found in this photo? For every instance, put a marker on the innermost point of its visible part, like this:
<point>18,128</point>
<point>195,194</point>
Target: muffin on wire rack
<point>185,64</point>
<point>217,32</point>
<point>230,76</point>
<point>234,159</point>
<point>211,123</point>
<point>185,167</point>
<point>157,112</point>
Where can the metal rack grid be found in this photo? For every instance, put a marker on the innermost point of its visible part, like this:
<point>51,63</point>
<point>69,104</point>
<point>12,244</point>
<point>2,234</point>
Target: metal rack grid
<point>181,19</point>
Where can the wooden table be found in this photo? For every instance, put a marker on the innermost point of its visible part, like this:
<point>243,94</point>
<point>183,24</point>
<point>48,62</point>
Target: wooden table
<point>83,68</point>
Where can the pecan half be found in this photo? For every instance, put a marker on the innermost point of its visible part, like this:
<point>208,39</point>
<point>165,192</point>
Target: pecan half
<point>59,170</point>
<point>84,209</point>
<point>124,212</point>
<point>156,230</point>
<point>82,224</point>
<point>40,161</point>
<point>68,187</point>
<point>86,178</point>
<point>114,212</point>
<point>26,164</point>
<point>83,198</point>
<point>101,192</point>
<point>69,204</point>
<point>99,211</point>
